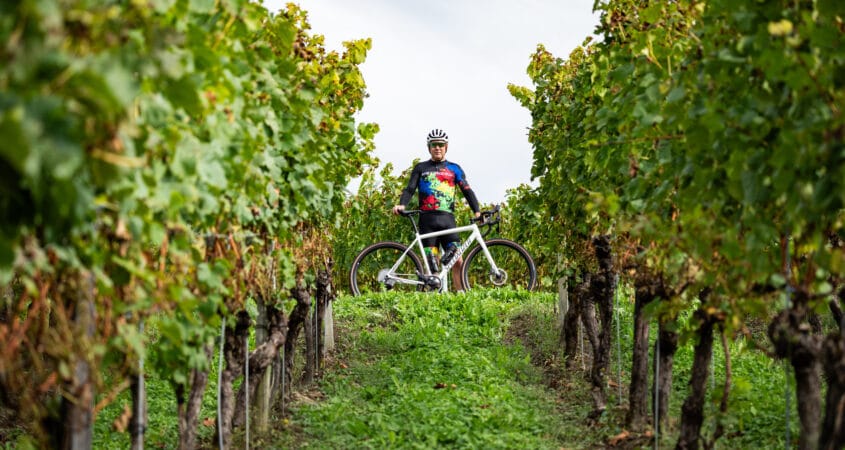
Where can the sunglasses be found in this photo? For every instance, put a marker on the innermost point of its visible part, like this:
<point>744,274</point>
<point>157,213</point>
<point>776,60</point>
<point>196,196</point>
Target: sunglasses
<point>437,144</point>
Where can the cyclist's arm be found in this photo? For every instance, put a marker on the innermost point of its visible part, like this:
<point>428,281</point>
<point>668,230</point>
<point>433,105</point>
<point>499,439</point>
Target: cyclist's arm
<point>409,190</point>
<point>469,194</point>
<point>473,201</point>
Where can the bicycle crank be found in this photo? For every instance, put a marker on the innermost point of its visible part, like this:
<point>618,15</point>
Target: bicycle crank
<point>432,283</point>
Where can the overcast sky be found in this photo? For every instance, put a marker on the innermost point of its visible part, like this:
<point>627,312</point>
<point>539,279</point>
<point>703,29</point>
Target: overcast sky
<point>446,64</point>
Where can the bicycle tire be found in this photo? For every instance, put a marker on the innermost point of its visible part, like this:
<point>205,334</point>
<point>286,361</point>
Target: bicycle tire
<point>364,274</point>
<point>520,272</point>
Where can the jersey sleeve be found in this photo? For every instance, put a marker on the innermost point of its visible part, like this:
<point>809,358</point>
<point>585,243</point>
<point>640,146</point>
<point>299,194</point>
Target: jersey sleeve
<point>463,184</point>
<point>411,187</point>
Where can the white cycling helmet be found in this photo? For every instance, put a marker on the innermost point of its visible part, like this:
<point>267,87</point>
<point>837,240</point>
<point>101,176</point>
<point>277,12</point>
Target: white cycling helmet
<point>437,135</point>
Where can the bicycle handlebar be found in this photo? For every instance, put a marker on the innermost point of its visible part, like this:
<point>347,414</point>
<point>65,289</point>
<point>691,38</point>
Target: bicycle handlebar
<point>487,218</point>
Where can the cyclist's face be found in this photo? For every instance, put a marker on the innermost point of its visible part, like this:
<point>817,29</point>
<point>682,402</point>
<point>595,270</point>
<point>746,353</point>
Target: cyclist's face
<point>438,150</point>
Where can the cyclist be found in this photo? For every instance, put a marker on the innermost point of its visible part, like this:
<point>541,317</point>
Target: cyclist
<point>438,181</point>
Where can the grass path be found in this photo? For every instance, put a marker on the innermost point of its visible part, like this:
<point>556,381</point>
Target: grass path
<point>432,371</point>
<point>474,370</point>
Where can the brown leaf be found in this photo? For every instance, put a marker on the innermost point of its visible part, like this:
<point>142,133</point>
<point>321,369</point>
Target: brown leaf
<point>121,231</point>
<point>208,422</point>
<point>48,383</point>
<point>211,97</point>
<point>122,422</point>
<point>615,440</point>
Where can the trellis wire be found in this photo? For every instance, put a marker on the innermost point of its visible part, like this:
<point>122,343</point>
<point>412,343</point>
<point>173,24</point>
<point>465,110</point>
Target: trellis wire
<point>558,269</point>
<point>141,407</point>
<point>220,384</point>
<point>712,375</point>
<point>246,387</point>
<point>656,392</point>
<point>581,344</point>
<point>316,336</point>
<point>618,347</point>
<point>712,370</point>
<point>247,237</point>
<point>788,303</point>
<point>275,292</point>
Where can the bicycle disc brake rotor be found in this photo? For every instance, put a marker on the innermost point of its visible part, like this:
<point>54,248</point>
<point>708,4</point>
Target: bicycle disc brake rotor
<point>500,278</point>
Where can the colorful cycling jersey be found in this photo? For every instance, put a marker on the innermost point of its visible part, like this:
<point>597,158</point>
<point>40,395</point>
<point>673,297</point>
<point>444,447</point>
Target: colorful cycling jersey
<point>438,184</point>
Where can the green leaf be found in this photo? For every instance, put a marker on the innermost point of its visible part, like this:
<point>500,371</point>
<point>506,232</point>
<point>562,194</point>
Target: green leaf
<point>183,93</point>
<point>677,93</point>
<point>201,6</point>
<point>212,172</point>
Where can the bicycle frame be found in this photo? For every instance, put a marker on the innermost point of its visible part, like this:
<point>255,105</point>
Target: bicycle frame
<point>475,236</point>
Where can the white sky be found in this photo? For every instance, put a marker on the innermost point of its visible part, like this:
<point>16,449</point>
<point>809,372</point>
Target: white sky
<point>446,64</point>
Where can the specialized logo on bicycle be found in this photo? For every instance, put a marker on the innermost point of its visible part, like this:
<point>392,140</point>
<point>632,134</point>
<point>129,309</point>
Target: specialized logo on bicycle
<point>457,255</point>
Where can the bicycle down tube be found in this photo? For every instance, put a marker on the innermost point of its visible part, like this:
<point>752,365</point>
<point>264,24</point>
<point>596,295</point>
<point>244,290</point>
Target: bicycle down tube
<point>475,235</point>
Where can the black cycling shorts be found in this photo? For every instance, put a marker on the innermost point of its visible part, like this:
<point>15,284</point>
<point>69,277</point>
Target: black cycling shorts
<point>430,222</point>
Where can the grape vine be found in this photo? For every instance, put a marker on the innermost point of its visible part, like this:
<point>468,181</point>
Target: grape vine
<point>158,158</point>
<point>706,138</point>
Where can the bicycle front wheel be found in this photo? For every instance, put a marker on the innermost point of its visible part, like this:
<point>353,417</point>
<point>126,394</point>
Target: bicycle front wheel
<point>371,269</point>
<point>516,268</point>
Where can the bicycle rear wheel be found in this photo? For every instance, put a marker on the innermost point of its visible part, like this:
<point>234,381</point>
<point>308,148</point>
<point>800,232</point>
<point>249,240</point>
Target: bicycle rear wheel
<point>516,267</point>
<point>371,273</point>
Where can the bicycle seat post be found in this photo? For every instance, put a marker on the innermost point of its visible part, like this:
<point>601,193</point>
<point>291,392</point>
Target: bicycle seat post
<point>410,215</point>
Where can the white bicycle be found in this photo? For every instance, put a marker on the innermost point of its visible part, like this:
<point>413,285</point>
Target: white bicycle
<point>391,266</point>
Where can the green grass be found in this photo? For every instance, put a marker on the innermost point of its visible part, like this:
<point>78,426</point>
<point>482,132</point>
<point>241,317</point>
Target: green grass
<point>756,415</point>
<point>397,351</point>
<point>162,421</point>
<point>475,370</point>
<point>428,371</point>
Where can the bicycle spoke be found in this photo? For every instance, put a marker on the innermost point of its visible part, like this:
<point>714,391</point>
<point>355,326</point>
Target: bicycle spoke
<point>371,270</point>
<point>516,268</point>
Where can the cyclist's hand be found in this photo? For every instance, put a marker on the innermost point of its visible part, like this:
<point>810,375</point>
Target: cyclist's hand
<point>398,208</point>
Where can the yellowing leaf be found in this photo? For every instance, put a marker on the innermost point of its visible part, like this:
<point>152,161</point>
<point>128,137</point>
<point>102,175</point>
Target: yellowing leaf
<point>780,28</point>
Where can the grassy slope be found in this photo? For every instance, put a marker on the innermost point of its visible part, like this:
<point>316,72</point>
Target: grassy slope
<point>427,371</point>
<point>481,370</point>
<point>475,370</point>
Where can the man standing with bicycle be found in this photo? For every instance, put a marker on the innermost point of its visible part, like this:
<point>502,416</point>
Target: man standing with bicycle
<point>438,181</point>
